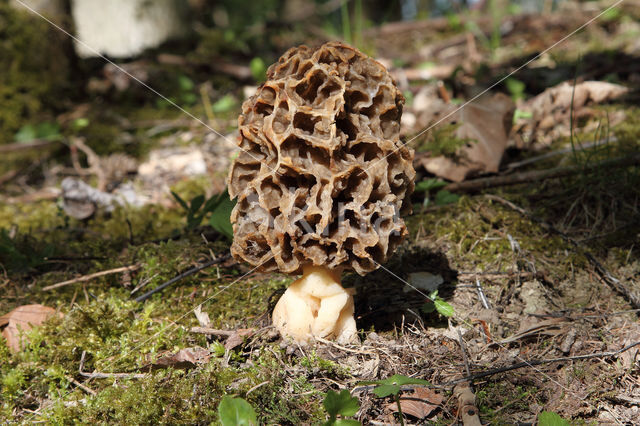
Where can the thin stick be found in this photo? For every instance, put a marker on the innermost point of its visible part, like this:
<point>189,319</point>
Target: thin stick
<point>534,362</point>
<point>98,375</point>
<point>536,175</point>
<point>92,276</point>
<point>483,298</point>
<point>81,386</point>
<point>185,274</point>
<point>463,349</point>
<point>616,284</point>
<point>497,275</point>
<point>22,146</point>
<point>212,331</point>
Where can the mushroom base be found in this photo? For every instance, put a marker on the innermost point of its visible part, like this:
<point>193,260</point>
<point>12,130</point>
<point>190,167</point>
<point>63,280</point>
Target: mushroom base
<point>316,305</point>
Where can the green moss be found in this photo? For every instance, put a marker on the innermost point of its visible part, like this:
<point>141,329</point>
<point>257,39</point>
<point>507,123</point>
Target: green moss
<point>30,81</point>
<point>496,409</point>
<point>31,216</point>
<point>441,141</point>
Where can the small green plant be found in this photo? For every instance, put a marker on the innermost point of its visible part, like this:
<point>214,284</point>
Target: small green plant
<point>437,303</point>
<point>340,404</point>
<point>549,418</point>
<point>393,386</point>
<point>219,207</point>
<point>224,104</point>
<point>236,411</point>
<point>45,130</point>
<point>516,88</point>
<point>258,69</point>
<point>354,36</point>
<point>184,93</point>
<point>442,196</point>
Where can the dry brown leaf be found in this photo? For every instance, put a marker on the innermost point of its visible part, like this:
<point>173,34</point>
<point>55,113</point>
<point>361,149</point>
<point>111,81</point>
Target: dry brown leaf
<point>486,125</point>
<point>531,326</point>
<point>21,320</point>
<point>419,404</point>
<point>203,317</point>
<point>558,98</point>
<point>551,110</point>
<point>183,359</point>
<point>237,337</point>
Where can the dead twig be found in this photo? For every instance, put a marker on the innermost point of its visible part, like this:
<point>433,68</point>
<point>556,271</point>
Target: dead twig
<point>24,146</point>
<point>98,375</point>
<point>534,362</point>
<point>472,276</point>
<point>605,275</point>
<point>185,274</point>
<point>89,277</point>
<point>93,159</point>
<point>481,295</point>
<point>537,175</point>
<point>214,331</point>
<point>81,386</point>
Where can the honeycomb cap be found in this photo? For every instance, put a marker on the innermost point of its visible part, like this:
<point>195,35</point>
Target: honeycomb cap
<point>322,177</point>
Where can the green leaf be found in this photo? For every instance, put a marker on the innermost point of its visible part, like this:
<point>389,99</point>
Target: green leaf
<point>429,184</point>
<point>196,203</point>
<point>48,130</point>
<point>45,130</point>
<point>180,201</point>
<point>26,133</point>
<point>427,65</point>
<point>445,197</point>
<point>401,380</point>
<point>397,379</point>
<point>522,114</point>
<point>80,123</point>
<point>185,83</point>
<point>223,104</point>
<point>236,411</point>
<point>386,390</point>
<point>340,403</point>
<point>189,98</point>
<point>443,308</point>
<point>515,87</point>
<point>549,418</point>
<point>428,307</point>
<point>258,69</point>
<point>220,216</point>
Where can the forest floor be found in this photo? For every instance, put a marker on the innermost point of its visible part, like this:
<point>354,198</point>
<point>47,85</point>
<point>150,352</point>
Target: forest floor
<point>539,259</point>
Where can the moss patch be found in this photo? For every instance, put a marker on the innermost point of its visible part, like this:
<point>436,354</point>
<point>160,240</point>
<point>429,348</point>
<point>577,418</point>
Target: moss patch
<point>30,81</point>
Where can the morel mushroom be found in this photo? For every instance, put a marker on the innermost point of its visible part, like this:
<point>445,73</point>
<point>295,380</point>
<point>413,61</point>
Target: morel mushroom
<point>321,181</point>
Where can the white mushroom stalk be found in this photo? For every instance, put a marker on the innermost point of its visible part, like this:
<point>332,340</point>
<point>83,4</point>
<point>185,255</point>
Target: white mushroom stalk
<point>321,182</point>
<point>316,305</point>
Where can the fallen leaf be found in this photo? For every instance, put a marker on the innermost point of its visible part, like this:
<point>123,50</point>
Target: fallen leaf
<point>21,320</point>
<point>203,317</point>
<point>237,337</point>
<point>485,125</point>
<point>183,359</point>
<point>531,327</point>
<point>550,111</point>
<point>419,404</point>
